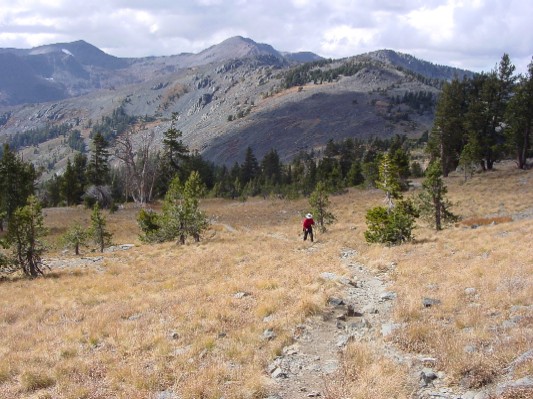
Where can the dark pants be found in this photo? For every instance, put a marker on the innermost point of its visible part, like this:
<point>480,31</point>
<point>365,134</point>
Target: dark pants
<point>310,232</point>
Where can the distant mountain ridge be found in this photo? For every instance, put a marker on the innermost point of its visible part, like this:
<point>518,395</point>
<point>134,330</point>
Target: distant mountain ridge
<point>235,94</point>
<point>416,65</point>
<point>62,70</point>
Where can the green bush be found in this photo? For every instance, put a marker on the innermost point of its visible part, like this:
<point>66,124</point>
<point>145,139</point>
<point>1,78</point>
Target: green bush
<point>150,225</point>
<point>390,227</point>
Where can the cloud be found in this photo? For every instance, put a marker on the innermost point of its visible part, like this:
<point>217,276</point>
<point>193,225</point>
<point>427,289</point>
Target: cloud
<point>469,34</point>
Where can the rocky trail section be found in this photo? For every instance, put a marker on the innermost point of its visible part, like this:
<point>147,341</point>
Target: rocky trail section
<point>362,312</point>
<point>305,367</point>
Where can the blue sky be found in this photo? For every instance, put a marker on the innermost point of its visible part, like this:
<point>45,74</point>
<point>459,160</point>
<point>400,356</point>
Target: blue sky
<point>467,34</point>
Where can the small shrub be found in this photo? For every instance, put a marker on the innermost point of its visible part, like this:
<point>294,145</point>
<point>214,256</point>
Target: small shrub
<point>33,381</point>
<point>390,227</point>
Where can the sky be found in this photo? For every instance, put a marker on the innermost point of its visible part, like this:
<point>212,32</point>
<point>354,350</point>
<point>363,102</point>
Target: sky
<point>468,34</point>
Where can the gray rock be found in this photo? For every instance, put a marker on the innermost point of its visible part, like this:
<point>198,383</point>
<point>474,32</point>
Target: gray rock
<point>239,295</point>
<point>328,276</point>
<point>388,296</point>
<point>427,376</point>
<point>278,373</point>
<point>470,291</point>
<point>388,328</point>
<point>470,349</point>
<point>335,301</point>
<point>370,309</point>
<point>269,334</point>
<point>174,335</point>
<point>182,350</point>
<point>167,394</point>
<point>429,302</point>
<point>343,340</point>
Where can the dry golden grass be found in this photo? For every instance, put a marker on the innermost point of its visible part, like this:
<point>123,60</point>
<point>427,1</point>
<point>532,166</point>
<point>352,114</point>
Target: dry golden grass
<point>164,316</point>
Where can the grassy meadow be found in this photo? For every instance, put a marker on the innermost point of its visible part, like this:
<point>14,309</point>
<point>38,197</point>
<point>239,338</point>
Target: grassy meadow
<point>190,319</point>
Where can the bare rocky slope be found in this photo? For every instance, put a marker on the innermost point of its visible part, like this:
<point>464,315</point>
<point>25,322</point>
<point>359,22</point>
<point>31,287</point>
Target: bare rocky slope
<point>227,97</point>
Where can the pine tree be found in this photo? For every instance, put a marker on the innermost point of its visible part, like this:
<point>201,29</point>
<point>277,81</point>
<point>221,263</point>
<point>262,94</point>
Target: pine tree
<point>175,152</point>
<point>392,224</point>
<point>181,216</point>
<point>250,167</point>
<point>433,203</point>
<point>389,180</point>
<point>70,188</point>
<point>25,230</point>
<point>446,138</point>
<point>98,231</point>
<point>75,237</point>
<point>98,168</point>
<point>319,201</point>
<point>519,119</point>
<point>17,183</point>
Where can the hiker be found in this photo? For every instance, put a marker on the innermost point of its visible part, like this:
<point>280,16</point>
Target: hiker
<point>308,223</point>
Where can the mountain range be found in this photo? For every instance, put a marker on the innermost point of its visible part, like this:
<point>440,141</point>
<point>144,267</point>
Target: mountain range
<point>232,95</point>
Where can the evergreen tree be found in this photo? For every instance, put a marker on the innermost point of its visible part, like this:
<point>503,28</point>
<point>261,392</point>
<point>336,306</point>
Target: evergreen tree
<point>17,183</point>
<point>271,168</point>
<point>70,188</point>
<point>98,231</point>
<point>519,119</point>
<point>355,174</point>
<point>389,180</point>
<point>98,168</point>
<point>181,215</point>
<point>175,152</point>
<point>319,201</point>
<point>446,139</point>
<point>75,237</point>
<point>392,224</point>
<point>250,167</point>
<point>25,230</point>
<point>196,221</point>
<point>433,203</point>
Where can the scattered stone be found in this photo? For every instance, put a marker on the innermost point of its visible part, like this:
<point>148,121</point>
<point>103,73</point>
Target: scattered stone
<point>240,295</point>
<point>313,395</point>
<point>351,312</point>
<point>427,376</point>
<point>222,334</point>
<point>167,394</point>
<point>428,360</point>
<point>388,296</point>
<point>347,253</point>
<point>388,328</point>
<point>136,316</point>
<point>174,335</point>
<point>347,281</point>
<point>269,334</point>
<point>278,373</point>
<point>330,367</point>
<point>182,350</point>
<point>470,349</point>
<point>470,291</point>
<point>335,301</point>
<point>122,247</point>
<point>429,302</point>
<point>328,276</point>
<point>357,325</point>
<point>343,340</point>
<point>370,309</point>
<point>268,319</point>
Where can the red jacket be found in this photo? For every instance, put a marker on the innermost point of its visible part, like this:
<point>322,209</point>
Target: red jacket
<point>307,223</point>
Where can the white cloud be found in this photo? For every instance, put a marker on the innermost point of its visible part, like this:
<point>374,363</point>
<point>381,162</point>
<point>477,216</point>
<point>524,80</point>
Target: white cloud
<point>470,34</point>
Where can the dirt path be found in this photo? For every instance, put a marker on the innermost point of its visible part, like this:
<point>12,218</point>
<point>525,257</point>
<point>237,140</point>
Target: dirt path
<point>362,313</point>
